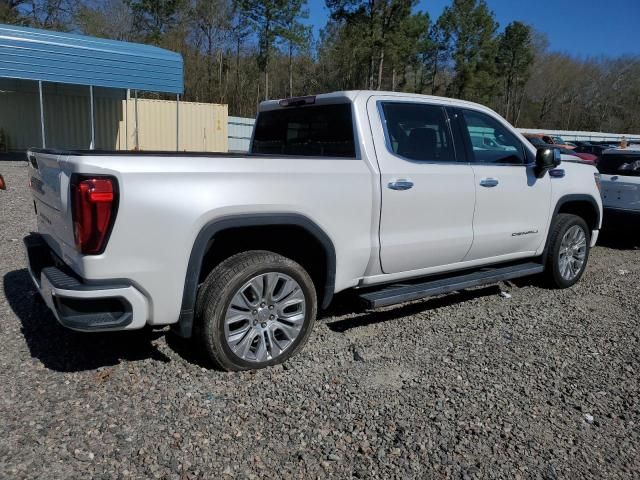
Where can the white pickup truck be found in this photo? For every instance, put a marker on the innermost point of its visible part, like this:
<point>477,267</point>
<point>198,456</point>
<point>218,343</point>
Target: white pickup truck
<point>381,192</point>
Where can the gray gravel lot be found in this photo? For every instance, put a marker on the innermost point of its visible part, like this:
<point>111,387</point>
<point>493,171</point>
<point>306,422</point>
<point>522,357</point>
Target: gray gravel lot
<point>472,385</point>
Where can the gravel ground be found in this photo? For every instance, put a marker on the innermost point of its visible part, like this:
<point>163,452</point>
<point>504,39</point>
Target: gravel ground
<point>473,385</point>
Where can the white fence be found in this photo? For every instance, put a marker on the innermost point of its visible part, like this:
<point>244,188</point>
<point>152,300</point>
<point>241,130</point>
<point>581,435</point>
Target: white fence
<point>239,133</point>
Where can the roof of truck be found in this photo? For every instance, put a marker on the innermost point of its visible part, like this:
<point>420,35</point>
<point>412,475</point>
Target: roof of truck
<point>351,95</point>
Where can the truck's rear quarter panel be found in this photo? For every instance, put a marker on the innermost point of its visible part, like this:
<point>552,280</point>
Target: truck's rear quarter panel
<point>164,202</point>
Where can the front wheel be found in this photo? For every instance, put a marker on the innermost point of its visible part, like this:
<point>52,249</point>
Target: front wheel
<point>254,310</point>
<point>568,250</point>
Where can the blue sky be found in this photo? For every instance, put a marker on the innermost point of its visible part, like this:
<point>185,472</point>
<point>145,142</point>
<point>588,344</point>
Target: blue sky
<point>583,28</point>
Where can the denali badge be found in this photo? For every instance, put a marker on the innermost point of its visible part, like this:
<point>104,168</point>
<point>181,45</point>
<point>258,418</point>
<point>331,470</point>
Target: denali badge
<point>519,234</point>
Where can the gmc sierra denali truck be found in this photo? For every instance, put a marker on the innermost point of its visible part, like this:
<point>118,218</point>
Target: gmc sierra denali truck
<point>381,192</point>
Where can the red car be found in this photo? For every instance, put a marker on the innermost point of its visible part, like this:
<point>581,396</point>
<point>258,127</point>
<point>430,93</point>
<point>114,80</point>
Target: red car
<point>587,157</point>
<point>538,142</point>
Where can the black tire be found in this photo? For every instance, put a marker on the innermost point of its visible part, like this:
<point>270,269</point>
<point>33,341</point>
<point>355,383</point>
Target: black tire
<point>559,227</point>
<point>216,294</point>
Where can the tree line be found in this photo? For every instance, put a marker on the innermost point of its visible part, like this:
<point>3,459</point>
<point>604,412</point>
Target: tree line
<point>241,52</point>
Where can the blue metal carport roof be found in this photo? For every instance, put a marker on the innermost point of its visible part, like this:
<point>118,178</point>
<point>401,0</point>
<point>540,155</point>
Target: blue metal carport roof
<point>34,54</point>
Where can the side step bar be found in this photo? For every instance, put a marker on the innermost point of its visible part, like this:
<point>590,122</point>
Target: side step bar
<point>400,293</point>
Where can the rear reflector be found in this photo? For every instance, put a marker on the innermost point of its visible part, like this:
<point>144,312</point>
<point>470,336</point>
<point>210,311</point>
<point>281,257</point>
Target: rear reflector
<point>297,101</point>
<point>94,204</point>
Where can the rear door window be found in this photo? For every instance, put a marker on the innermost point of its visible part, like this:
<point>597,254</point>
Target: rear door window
<point>418,131</point>
<point>316,131</point>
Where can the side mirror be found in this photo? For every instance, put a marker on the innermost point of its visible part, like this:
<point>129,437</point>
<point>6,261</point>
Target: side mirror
<point>546,159</point>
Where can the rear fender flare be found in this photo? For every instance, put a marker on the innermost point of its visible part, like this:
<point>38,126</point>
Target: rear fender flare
<point>202,242</point>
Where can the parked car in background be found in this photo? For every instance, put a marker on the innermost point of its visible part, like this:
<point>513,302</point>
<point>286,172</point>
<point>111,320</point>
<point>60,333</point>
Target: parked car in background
<point>382,192</point>
<point>559,141</point>
<point>590,147</point>
<point>587,157</point>
<point>549,140</point>
<point>567,155</point>
<point>620,178</point>
<point>535,140</point>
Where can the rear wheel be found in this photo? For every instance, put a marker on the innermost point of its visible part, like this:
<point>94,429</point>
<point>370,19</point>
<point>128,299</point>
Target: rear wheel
<point>255,309</point>
<point>569,241</point>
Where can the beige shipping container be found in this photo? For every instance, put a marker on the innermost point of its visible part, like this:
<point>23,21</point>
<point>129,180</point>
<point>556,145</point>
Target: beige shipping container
<point>202,126</point>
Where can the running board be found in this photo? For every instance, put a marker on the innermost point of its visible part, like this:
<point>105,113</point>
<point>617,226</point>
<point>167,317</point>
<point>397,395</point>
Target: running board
<point>400,293</point>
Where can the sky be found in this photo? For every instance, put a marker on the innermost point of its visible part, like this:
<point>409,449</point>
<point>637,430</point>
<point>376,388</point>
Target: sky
<point>583,28</point>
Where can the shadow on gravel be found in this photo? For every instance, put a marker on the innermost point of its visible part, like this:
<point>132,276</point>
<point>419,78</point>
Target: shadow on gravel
<point>65,350</point>
<point>190,352</point>
<point>620,232</point>
<point>620,238</point>
<point>349,304</point>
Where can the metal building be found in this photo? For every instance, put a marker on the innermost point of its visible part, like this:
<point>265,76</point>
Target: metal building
<point>61,74</point>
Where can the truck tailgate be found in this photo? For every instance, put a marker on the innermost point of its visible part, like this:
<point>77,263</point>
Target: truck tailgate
<point>50,189</point>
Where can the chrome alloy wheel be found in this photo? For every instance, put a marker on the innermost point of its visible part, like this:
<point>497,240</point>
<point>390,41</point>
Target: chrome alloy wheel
<point>573,251</point>
<point>264,317</point>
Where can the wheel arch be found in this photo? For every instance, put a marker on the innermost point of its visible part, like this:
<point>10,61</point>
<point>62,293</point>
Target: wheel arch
<point>580,204</point>
<point>207,235</point>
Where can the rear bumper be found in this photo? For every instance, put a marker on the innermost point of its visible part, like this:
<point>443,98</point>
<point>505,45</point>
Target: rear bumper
<point>79,304</point>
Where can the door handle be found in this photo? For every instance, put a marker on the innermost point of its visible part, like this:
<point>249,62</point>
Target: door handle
<point>489,182</point>
<point>401,184</point>
<point>614,178</point>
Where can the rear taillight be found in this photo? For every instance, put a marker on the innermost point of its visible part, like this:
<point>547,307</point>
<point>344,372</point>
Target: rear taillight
<point>94,201</point>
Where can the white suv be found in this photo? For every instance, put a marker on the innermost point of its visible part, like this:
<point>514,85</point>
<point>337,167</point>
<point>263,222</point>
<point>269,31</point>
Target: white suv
<point>620,176</point>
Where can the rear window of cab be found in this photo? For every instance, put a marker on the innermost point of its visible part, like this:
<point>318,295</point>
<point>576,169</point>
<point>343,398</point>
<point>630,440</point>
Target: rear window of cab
<point>310,131</point>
